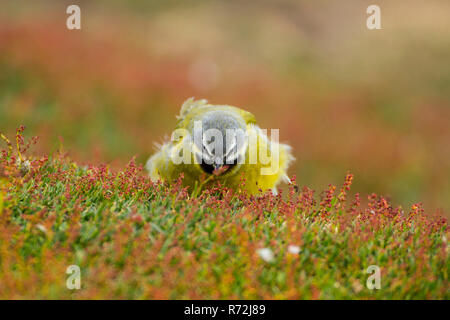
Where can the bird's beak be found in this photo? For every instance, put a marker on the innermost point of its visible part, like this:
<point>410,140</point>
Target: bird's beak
<point>220,168</point>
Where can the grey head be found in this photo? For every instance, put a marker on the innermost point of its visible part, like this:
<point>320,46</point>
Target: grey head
<point>220,141</point>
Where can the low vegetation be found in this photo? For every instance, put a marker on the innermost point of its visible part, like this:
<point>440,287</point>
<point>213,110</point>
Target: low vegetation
<point>134,238</point>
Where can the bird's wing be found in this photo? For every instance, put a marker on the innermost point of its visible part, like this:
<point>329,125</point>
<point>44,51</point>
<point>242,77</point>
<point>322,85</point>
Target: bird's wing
<point>157,165</point>
<point>280,156</point>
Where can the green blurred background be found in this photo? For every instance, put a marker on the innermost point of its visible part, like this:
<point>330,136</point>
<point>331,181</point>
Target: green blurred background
<point>373,102</point>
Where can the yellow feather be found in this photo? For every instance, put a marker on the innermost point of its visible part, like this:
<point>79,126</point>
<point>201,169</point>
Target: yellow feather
<point>161,166</point>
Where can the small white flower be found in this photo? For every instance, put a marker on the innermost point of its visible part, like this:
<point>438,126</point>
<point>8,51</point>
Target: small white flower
<point>266,254</point>
<point>23,165</point>
<point>41,228</point>
<point>294,249</point>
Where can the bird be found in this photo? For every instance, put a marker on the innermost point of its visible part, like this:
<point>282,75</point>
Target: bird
<point>221,143</point>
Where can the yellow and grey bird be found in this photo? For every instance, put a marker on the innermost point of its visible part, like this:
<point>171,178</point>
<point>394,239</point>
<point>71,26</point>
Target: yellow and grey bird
<point>221,142</point>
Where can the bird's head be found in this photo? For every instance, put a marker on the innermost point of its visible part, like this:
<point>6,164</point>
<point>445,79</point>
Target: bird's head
<point>219,142</point>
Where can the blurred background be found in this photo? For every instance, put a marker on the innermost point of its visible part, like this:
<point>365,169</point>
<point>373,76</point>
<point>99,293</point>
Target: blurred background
<point>372,102</point>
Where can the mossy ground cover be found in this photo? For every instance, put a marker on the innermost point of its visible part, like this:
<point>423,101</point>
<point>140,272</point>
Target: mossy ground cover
<point>138,239</point>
